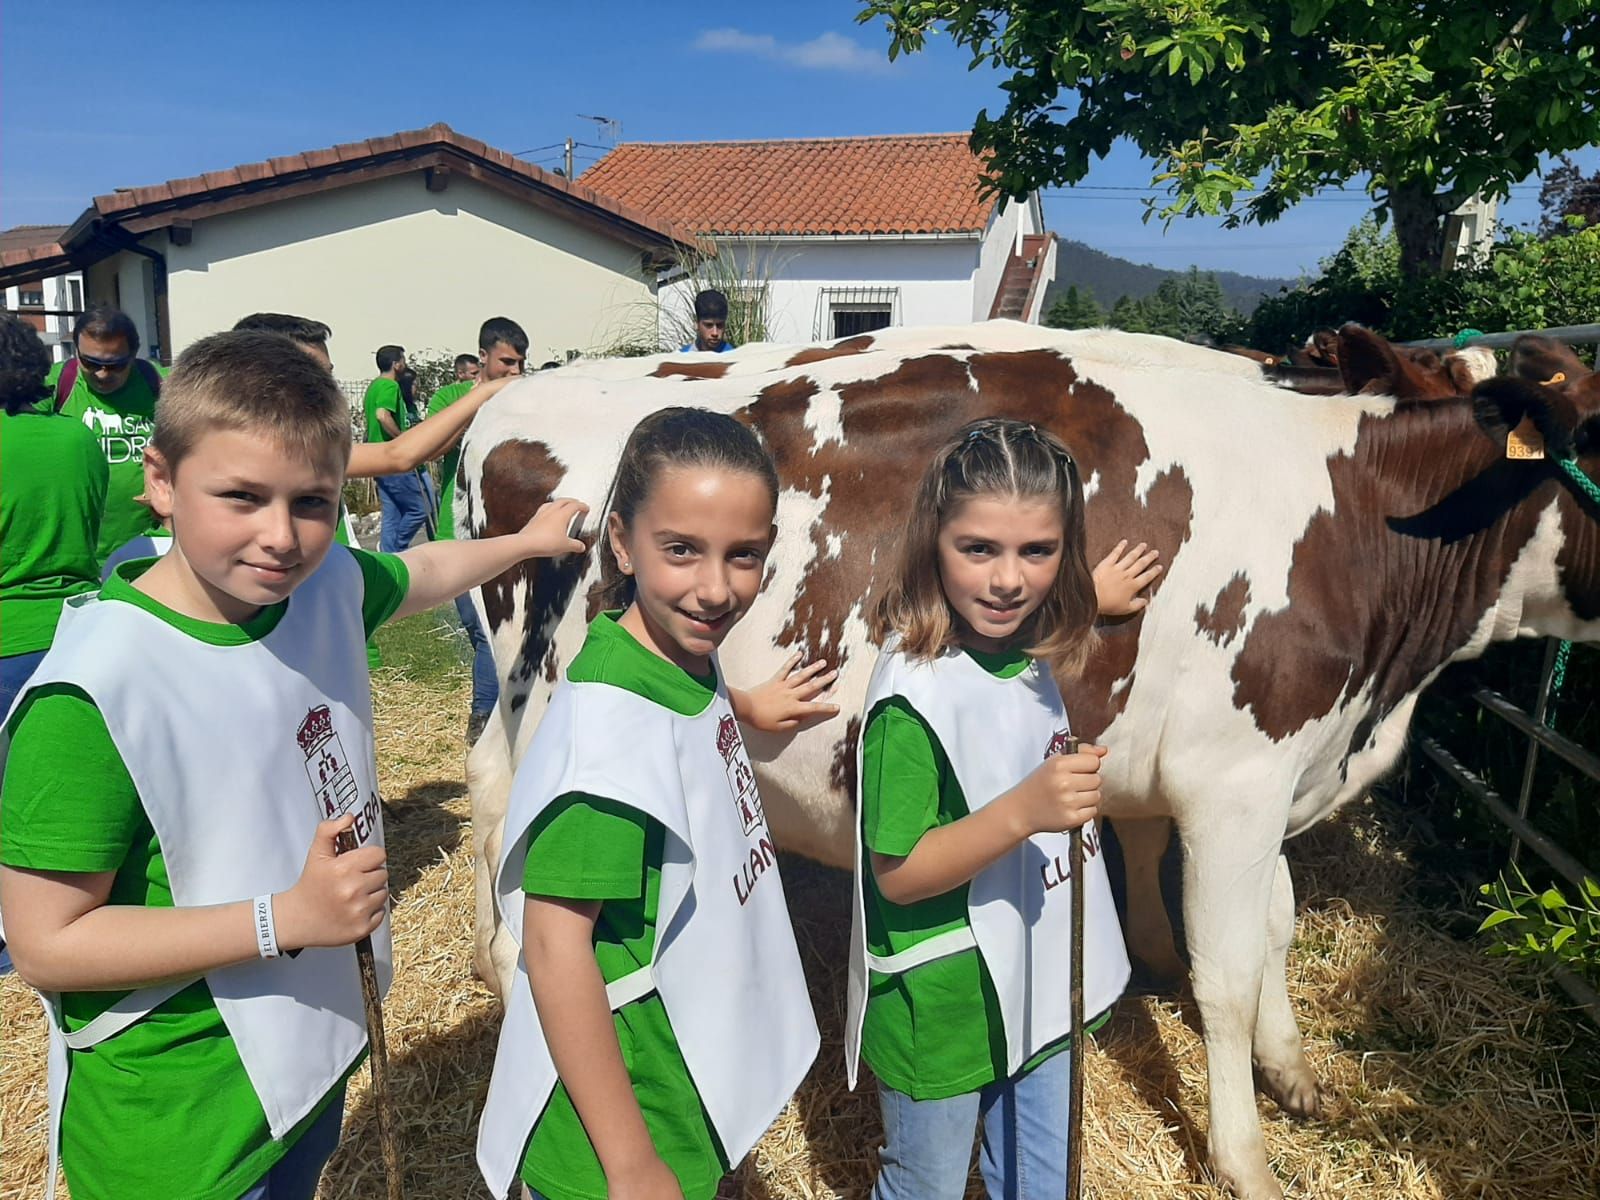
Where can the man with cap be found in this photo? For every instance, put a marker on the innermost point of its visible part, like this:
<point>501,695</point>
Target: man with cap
<point>710,319</point>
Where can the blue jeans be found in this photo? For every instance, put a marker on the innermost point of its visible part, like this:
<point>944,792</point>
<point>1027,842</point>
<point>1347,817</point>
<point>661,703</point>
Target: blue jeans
<point>404,504</point>
<point>928,1143</point>
<point>295,1175</point>
<point>15,671</point>
<point>485,683</point>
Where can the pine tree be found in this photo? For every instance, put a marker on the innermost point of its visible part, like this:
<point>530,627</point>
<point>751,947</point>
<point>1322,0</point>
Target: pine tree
<point>1075,310</point>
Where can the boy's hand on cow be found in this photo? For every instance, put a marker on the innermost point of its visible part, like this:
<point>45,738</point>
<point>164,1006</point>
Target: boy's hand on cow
<point>1061,793</point>
<point>1120,576</point>
<point>794,698</point>
<point>339,898</point>
<point>550,531</point>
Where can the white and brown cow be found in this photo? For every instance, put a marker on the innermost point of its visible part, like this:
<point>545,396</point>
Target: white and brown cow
<point>1326,557</point>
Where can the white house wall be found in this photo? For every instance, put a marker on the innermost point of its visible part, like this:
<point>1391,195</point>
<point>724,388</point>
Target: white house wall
<point>1007,224</point>
<point>933,278</point>
<point>391,262</point>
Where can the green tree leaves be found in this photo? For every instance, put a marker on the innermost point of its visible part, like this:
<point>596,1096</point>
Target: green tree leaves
<point>1249,108</point>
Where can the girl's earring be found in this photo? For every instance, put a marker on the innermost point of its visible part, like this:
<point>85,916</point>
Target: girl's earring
<point>627,567</point>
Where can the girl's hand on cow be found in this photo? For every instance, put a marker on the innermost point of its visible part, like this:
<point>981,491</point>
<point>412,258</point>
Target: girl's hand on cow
<point>339,898</point>
<point>1120,576</point>
<point>550,532</point>
<point>1061,793</point>
<point>794,698</point>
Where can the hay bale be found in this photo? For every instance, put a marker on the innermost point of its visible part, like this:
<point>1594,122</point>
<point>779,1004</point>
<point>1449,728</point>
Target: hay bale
<point>1452,1074</point>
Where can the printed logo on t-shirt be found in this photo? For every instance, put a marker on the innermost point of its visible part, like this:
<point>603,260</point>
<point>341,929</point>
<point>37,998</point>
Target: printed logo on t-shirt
<point>741,777</point>
<point>123,436</point>
<point>333,783</point>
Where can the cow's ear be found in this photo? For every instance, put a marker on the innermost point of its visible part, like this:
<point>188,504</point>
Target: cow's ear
<point>1365,358</point>
<point>1501,405</point>
<point>1540,359</point>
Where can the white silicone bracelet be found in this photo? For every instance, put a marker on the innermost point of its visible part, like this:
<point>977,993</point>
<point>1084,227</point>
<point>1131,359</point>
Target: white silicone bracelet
<point>266,930</point>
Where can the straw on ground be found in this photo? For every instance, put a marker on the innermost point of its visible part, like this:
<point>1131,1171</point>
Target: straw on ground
<point>1452,1074</point>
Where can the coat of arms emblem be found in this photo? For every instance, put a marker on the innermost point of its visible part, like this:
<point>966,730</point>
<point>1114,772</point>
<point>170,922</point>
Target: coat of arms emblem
<point>741,777</point>
<point>327,767</point>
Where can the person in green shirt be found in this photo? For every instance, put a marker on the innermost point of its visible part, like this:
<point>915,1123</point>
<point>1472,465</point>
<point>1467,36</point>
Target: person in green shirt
<point>626,1117</point>
<point>401,497</point>
<point>114,396</point>
<point>992,589</point>
<point>89,889</point>
<point>54,493</point>
<point>502,351</point>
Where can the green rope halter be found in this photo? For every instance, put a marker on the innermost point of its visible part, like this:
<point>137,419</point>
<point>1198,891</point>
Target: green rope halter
<point>1558,672</point>
<point>1465,336</point>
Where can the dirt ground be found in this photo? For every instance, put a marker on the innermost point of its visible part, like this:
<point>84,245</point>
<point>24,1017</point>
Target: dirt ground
<point>1453,1075</point>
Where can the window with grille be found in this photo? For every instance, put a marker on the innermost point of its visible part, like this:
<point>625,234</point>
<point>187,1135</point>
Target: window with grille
<point>845,312</point>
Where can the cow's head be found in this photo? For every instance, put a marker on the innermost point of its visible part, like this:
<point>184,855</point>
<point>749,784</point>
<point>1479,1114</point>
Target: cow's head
<point>1373,366</point>
<point>1538,425</point>
<point>1545,360</point>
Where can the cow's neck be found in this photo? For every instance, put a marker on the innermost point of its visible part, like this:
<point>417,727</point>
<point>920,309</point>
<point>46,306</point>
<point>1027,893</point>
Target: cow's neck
<point>1460,544</point>
<point>1433,548</point>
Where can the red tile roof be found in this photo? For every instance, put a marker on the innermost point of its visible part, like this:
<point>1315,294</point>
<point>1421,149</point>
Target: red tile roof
<point>142,208</point>
<point>914,183</point>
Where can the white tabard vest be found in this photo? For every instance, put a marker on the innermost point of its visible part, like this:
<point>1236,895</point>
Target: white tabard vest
<point>237,753</point>
<point>725,963</point>
<point>995,732</point>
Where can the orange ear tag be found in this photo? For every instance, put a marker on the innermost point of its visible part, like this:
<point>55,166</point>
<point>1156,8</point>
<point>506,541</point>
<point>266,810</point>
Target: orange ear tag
<point>1525,441</point>
<point>1558,377</point>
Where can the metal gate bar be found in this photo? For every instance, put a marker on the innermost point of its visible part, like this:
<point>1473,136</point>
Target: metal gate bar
<point>1523,831</point>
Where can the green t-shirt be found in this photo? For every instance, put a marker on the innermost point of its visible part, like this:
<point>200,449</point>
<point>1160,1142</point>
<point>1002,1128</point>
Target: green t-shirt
<point>934,1031</point>
<point>591,848</point>
<point>122,422</point>
<point>53,479</point>
<point>383,395</point>
<point>164,1110</point>
<point>443,399</point>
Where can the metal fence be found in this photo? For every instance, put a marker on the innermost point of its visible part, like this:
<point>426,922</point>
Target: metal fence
<point>1531,725</point>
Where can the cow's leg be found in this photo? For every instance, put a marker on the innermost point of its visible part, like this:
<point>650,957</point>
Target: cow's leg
<point>489,789</point>
<point>1279,1053</point>
<point>1230,857</point>
<point>1149,929</point>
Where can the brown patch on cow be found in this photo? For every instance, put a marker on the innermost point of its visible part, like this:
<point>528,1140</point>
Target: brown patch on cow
<point>690,370</point>
<point>517,478</point>
<point>891,427</point>
<point>811,354</point>
<point>1224,620</point>
<point>1427,519</point>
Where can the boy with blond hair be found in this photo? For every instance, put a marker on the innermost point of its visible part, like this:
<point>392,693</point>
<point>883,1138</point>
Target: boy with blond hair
<point>177,776</point>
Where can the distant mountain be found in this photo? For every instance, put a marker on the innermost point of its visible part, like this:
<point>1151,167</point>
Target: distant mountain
<point>1110,277</point>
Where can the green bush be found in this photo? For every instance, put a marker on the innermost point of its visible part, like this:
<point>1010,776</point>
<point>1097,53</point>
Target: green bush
<point>1525,282</point>
<point>1545,925</point>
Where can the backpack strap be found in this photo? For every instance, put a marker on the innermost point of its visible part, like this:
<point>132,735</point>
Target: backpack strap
<point>68,379</point>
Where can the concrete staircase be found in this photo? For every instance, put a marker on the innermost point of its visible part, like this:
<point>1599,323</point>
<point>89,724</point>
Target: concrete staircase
<point>1021,278</point>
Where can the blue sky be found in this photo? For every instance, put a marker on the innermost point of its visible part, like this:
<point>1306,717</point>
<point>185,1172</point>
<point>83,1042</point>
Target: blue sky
<point>132,96</point>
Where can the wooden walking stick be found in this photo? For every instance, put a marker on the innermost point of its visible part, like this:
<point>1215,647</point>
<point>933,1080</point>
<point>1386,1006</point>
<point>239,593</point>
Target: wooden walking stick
<point>378,1050</point>
<point>1075,972</point>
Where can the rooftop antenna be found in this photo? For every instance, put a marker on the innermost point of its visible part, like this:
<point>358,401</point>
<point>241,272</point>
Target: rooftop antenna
<point>604,127</point>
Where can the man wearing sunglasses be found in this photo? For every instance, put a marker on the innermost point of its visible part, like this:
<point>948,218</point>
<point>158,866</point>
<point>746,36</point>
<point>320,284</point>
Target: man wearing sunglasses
<point>114,393</point>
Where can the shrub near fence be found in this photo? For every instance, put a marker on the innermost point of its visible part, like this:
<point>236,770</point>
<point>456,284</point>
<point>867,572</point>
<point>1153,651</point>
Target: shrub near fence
<point>1564,803</point>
